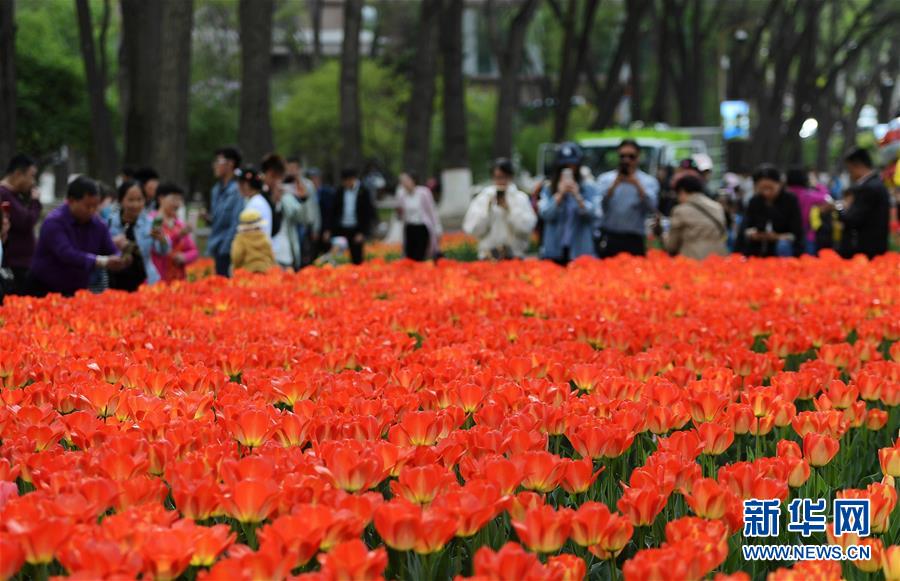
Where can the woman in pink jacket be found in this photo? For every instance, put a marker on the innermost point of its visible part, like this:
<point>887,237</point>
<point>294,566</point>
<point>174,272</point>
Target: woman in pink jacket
<point>421,225</point>
<point>182,250</point>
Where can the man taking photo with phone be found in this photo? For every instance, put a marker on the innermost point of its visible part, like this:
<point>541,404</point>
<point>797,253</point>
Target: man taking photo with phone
<point>627,198</point>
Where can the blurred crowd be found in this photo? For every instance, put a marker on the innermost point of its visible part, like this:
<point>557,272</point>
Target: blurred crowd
<point>278,215</point>
<point>770,213</point>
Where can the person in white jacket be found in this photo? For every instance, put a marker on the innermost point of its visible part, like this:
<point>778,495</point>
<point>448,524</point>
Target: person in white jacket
<point>501,217</point>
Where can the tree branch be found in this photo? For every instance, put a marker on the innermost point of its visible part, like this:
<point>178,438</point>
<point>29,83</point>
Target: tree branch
<point>493,37</point>
<point>557,9</point>
<point>104,28</point>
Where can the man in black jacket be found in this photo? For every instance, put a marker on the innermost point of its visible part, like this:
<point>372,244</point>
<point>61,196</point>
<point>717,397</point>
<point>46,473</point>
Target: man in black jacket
<point>867,208</point>
<point>352,214</point>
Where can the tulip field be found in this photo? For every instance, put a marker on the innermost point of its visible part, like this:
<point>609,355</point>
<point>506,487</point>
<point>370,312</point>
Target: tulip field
<point>506,421</point>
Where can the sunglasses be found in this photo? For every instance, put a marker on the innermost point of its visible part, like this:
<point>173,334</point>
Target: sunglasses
<point>627,156</point>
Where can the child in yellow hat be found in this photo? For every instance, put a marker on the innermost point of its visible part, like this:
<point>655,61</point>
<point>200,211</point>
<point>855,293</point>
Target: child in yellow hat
<point>251,249</point>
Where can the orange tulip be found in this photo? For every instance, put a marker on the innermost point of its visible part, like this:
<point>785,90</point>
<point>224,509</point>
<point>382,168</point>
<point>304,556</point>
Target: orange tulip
<point>39,537</point>
<point>567,567</point>
<point>716,438</point>
<point>398,523</point>
<point>589,523</point>
<point>167,553</point>
<point>641,505</point>
<point>351,468</point>
<point>208,542</point>
<point>709,499</point>
<point>11,557</point>
<point>883,501</point>
<point>615,536</point>
<point>422,484</point>
<point>298,534</point>
<point>436,529</point>
<point>890,562</point>
<point>250,428</point>
<point>353,561</point>
<point>542,471</point>
<point>819,450</point>
<point>579,475</point>
<point>510,562</point>
<point>250,501</point>
<point>889,458</point>
<point>543,529</point>
<point>473,506</point>
<point>872,564</point>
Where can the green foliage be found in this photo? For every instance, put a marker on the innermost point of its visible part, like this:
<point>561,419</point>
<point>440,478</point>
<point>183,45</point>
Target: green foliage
<point>307,119</point>
<point>213,123</point>
<point>51,105</point>
<point>531,135</point>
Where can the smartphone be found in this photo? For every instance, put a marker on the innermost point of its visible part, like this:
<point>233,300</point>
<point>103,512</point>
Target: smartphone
<point>501,195</point>
<point>4,207</point>
<point>624,169</point>
<point>157,222</point>
<point>568,174</point>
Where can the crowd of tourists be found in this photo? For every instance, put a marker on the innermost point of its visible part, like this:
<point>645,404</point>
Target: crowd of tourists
<point>276,215</point>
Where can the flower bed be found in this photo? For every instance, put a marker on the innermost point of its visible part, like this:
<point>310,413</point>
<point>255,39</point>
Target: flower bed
<point>504,421</point>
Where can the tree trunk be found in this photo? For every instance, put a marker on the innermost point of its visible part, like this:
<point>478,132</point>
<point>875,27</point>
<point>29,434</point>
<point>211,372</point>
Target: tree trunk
<point>141,47</point>
<point>316,16</point>
<point>105,159</point>
<point>351,119</point>
<point>568,75</point>
<point>510,59</point>
<point>255,127</point>
<point>174,87</point>
<point>575,51</point>
<point>456,149</point>
<point>637,85</point>
<point>886,90</point>
<point>417,141</point>
<point>608,97</point>
<point>663,52</point>
<point>7,80</point>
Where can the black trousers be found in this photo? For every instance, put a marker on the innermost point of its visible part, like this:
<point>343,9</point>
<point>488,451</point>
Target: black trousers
<point>416,241</point>
<point>357,249</point>
<point>615,243</point>
<point>20,281</point>
<point>223,264</point>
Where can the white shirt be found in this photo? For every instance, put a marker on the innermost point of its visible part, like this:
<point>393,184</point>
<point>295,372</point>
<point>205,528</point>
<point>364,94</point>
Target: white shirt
<point>281,247</point>
<point>412,207</point>
<point>348,218</point>
<point>497,228</point>
<point>259,203</point>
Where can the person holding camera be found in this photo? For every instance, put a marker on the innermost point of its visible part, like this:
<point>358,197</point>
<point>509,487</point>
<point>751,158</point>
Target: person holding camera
<point>566,207</point>
<point>137,235</point>
<point>628,197</point>
<point>501,217</point>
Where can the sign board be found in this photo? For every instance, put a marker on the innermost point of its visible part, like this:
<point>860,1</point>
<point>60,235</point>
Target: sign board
<point>735,120</point>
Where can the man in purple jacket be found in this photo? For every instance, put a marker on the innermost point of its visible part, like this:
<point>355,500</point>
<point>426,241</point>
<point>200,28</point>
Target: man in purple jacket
<point>73,242</point>
<point>18,189</point>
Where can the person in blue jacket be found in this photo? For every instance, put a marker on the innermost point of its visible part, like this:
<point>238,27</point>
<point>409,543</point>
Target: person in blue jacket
<point>567,207</point>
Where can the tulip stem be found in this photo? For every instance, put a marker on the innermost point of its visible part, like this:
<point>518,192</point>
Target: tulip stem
<point>41,572</point>
<point>249,530</point>
<point>613,571</point>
